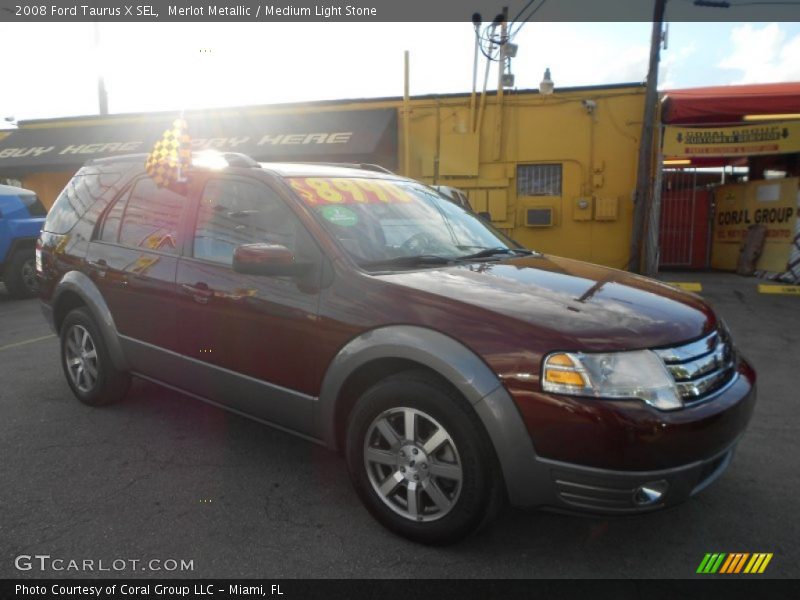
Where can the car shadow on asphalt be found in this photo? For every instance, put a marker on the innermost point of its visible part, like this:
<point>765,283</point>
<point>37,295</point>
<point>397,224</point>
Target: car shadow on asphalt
<point>302,491</point>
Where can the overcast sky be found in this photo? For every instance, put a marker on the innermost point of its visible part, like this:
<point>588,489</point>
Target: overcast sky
<point>50,69</point>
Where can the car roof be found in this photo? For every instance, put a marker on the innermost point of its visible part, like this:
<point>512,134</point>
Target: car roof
<point>282,169</point>
<point>325,170</point>
<point>11,190</point>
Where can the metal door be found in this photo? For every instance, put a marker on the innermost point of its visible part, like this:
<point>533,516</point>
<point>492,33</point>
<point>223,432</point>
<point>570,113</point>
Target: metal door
<point>684,228</point>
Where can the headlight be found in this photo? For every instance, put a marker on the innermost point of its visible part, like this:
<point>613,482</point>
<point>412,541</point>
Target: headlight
<point>639,374</point>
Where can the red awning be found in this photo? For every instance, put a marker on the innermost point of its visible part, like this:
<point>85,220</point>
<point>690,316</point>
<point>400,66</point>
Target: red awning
<point>729,103</point>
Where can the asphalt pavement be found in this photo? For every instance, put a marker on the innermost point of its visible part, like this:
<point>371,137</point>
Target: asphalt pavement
<point>163,477</point>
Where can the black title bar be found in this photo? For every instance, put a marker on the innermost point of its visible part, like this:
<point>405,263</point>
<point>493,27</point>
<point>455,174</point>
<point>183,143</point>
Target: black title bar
<point>390,10</point>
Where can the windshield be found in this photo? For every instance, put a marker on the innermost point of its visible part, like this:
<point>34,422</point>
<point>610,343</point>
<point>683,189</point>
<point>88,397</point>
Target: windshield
<point>379,221</point>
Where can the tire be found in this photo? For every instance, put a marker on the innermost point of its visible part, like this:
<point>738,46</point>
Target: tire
<point>86,362</point>
<point>20,274</point>
<point>443,482</point>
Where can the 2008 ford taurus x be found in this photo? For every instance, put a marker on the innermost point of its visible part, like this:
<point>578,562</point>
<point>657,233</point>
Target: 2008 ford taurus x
<point>363,311</point>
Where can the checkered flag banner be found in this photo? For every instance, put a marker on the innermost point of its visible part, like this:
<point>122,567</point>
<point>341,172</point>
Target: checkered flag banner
<point>171,156</point>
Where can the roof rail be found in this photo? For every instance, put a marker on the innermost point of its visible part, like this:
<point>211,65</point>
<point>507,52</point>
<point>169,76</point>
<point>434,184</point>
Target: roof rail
<point>234,159</point>
<point>238,159</point>
<point>362,166</point>
<point>116,158</point>
<point>374,167</point>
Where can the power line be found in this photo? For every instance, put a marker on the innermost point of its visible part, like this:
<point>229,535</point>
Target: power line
<point>526,19</point>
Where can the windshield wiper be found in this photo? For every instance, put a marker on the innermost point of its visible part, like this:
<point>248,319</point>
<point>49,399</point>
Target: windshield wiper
<point>408,261</point>
<point>487,252</point>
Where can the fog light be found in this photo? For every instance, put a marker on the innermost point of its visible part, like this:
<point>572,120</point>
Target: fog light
<point>650,493</point>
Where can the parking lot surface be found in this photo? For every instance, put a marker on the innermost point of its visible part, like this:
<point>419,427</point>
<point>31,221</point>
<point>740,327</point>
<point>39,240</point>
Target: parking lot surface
<point>162,476</point>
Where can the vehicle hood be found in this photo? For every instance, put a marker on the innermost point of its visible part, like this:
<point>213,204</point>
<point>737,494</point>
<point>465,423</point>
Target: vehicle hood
<point>584,306</point>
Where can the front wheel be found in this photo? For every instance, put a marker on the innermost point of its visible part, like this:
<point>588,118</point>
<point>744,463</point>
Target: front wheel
<point>86,362</point>
<point>420,460</point>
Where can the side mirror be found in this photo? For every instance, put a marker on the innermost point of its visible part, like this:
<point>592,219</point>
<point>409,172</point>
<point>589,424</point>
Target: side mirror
<point>266,259</point>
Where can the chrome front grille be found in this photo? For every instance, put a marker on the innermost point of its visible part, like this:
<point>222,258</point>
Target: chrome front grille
<point>701,367</point>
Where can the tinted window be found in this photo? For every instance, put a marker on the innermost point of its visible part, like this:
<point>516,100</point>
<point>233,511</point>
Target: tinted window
<point>234,212</point>
<point>34,205</point>
<point>150,219</point>
<point>78,196</point>
<point>110,230</point>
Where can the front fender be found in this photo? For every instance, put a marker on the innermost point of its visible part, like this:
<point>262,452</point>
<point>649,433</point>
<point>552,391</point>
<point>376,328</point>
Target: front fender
<point>459,365</point>
<point>80,284</point>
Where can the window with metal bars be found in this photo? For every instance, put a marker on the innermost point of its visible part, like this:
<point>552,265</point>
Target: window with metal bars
<point>539,180</point>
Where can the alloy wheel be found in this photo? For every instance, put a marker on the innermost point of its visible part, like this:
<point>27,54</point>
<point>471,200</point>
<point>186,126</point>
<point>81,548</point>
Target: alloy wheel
<point>413,464</point>
<point>81,358</point>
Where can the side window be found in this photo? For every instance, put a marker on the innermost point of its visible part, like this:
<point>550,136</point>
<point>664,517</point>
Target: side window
<point>150,219</point>
<point>234,212</point>
<point>110,229</point>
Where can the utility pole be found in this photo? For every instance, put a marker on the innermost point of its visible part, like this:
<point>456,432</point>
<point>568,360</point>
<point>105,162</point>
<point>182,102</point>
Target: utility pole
<point>643,199</point>
<point>501,67</point>
<point>102,94</point>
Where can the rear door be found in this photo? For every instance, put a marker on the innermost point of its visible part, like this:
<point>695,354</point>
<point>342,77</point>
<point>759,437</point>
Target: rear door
<point>249,339</point>
<point>133,260</point>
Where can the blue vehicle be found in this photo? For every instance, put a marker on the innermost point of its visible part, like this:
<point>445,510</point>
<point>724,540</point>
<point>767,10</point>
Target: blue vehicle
<point>21,219</point>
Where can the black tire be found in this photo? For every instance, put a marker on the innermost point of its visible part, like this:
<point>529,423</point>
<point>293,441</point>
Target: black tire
<point>108,385</point>
<point>20,274</point>
<point>472,500</point>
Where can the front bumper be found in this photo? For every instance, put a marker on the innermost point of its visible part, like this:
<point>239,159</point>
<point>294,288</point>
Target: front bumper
<point>599,458</point>
<point>584,489</point>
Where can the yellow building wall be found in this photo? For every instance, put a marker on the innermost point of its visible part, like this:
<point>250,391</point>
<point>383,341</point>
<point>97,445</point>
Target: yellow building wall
<point>597,149</point>
<point>771,203</point>
<point>47,185</point>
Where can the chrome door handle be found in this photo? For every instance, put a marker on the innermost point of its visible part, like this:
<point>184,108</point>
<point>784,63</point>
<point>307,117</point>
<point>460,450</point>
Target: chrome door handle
<point>100,265</point>
<point>199,291</point>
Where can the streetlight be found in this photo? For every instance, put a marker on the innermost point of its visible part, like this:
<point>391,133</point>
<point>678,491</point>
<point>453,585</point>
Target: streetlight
<point>546,84</point>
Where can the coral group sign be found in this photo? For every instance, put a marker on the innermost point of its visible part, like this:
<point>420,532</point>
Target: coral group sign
<point>744,140</point>
<point>771,204</point>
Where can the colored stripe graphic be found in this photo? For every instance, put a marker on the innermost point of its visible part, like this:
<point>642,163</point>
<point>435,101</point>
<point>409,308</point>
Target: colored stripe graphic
<point>728,563</point>
<point>741,562</point>
<point>734,563</point>
<point>711,563</point>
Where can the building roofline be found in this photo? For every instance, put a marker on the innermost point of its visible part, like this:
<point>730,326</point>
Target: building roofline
<point>316,103</point>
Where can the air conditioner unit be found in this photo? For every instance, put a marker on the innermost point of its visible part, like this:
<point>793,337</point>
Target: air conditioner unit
<point>539,217</point>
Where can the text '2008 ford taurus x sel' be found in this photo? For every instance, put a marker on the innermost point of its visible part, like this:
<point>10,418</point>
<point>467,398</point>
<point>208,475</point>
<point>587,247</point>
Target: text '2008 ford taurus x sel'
<point>361,310</point>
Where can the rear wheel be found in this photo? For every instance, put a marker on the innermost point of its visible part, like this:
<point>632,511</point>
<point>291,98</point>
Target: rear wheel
<point>20,274</point>
<point>86,362</point>
<point>420,459</point>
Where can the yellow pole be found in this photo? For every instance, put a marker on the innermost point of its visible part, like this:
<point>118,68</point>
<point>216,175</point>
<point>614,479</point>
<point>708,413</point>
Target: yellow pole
<point>474,85</point>
<point>483,99</point>
<point>406,121</point>
<point>501,63</point>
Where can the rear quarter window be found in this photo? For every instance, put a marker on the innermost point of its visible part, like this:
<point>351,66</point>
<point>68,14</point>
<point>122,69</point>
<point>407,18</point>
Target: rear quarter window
<point>81,193</point>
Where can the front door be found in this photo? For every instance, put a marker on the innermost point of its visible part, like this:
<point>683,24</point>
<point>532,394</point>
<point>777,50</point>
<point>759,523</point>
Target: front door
<point>246,337</point>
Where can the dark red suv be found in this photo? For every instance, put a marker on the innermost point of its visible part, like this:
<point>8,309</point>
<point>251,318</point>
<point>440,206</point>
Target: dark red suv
<point>365,312</point>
